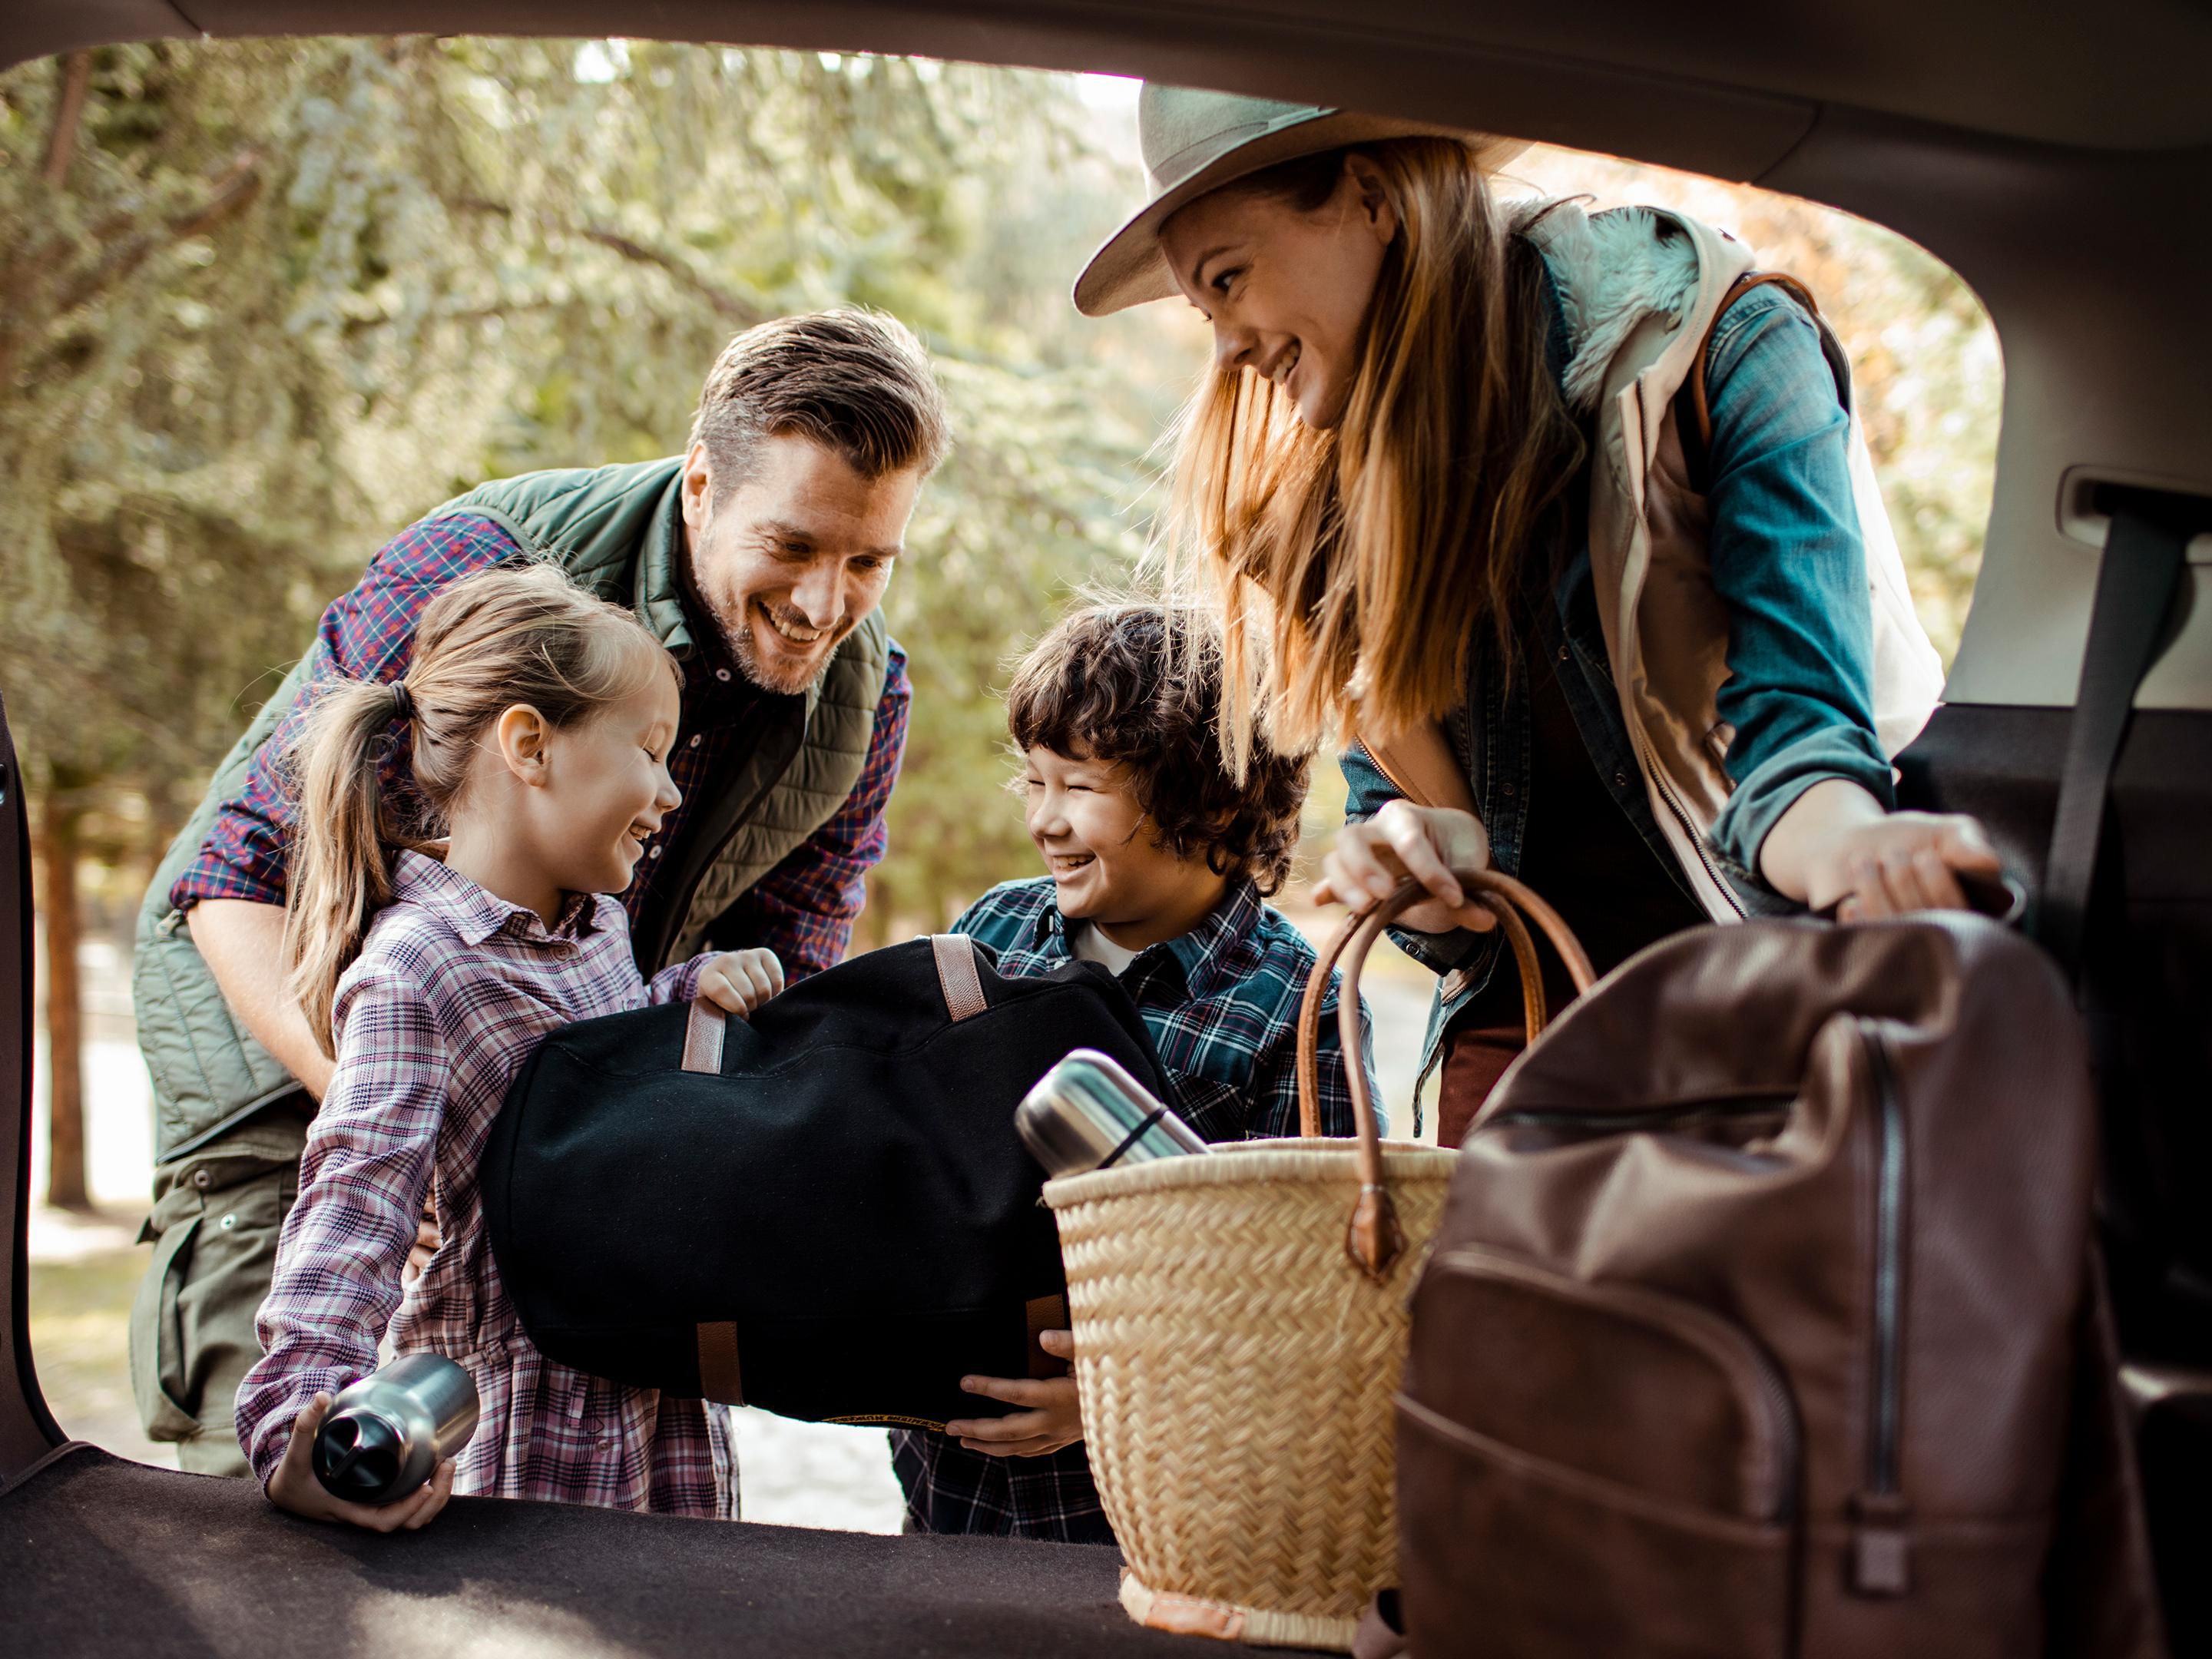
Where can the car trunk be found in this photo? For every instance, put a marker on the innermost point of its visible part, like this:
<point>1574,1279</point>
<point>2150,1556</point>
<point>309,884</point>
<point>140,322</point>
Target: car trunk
<point>2065,171</point>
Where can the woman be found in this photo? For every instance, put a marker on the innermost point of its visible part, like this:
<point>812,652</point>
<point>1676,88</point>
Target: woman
<point>1576,534</point>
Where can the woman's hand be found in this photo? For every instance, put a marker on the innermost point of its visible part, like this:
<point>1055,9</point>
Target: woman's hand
<point>1053,1419</point>
<point>739,981</point>
<point>293,1486</point>
<point>1836,846</point>
<point>1425,842</point>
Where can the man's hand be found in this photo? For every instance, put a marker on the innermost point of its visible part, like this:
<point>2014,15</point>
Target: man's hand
<point>1425,842</point>
<point>740,981</point>
<point>1053,1419</point>
<point>293,1486</point>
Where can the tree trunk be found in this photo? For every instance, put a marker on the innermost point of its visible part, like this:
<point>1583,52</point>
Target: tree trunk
<point>57,857</point>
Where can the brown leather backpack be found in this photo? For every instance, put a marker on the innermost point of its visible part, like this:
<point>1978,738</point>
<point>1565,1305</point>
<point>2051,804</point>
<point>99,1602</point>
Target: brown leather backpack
<point>1762,1320</point>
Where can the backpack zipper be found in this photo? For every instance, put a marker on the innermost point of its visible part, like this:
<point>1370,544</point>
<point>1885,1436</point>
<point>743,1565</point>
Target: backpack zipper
<point>1633,1121</point>
<point>1881,1562</point>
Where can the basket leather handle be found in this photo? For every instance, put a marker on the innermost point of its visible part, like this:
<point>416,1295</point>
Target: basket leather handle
<point>1375,1240</point>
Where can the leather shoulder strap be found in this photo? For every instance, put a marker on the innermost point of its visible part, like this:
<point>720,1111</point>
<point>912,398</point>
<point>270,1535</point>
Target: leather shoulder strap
<point>1697,437</point>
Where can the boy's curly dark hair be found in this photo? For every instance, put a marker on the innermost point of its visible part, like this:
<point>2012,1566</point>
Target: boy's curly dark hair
<point>1141,684</point>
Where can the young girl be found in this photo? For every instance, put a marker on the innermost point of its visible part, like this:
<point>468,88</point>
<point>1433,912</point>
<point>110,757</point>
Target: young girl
<point>541,720</point>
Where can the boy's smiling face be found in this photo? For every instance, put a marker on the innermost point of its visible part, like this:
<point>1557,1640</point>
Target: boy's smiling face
<point>1107,868</point>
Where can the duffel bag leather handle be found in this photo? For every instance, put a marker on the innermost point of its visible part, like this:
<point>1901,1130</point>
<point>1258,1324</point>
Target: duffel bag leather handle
<point>1375,1240</point>
<point>958,977</point>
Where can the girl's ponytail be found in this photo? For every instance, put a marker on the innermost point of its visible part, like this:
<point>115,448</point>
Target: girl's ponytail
<point>338,877</point>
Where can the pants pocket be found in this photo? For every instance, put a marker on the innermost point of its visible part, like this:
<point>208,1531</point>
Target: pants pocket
<point>1509,1555</point>
<point>159,1381</point>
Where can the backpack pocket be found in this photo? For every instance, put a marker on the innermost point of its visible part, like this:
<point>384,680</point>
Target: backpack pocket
<point>1592,1468</point>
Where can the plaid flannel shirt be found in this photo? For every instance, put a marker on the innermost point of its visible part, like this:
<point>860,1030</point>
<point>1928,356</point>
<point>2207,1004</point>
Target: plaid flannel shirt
<point>803,910</point>
<point>452,990</point>
<point>1221,1004</point>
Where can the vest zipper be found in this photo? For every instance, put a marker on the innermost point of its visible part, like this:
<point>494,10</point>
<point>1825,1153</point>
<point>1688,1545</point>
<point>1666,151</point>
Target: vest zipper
<point>1881,1563</point>
<point>1682,818</point>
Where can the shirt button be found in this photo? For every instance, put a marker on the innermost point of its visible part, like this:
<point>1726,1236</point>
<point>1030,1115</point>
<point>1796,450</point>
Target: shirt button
<point>695,741</point>
<point>653,852</point>
<point>1564,654</point>
<point>721,673</point>
<point>202,1179</point>
<point>1509,791</point>
<point>229,1222</point>
<point>1620,780</point>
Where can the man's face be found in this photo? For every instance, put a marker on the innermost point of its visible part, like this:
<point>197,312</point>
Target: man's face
<point>794,558</point>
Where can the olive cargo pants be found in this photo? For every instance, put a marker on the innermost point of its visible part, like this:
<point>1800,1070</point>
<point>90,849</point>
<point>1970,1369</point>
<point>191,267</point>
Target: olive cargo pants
<point>217,1214</point>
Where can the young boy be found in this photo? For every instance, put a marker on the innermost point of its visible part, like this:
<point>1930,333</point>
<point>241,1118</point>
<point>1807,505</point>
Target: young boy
<point>1159,861</point>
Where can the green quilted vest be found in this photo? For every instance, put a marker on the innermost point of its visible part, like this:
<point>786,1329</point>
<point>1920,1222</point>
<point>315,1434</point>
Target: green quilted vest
<point>618,530</point>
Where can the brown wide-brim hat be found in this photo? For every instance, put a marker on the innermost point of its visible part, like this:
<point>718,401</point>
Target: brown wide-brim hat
<point>1195,142</point>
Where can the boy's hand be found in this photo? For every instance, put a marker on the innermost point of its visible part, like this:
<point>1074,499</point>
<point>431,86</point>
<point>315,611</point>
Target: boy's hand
<point>293,1486</point>
<point>1053,1419</point>
<point>740,981</point>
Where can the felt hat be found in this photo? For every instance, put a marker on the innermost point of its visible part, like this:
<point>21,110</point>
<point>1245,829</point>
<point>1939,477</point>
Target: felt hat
<point>1195,142</point>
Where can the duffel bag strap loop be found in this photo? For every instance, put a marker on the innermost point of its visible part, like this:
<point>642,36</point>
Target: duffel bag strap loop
<point>702,1037</point>
<point>1375,1240</point>
<point>956,973</point>
<point>721,1378</point>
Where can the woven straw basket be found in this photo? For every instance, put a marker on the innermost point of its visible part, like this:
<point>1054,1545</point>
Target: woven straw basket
<point>1238,1345</point>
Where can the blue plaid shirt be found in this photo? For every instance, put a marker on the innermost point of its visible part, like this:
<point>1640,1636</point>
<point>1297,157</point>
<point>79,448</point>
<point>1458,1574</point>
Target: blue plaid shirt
<point>1222,1005</point>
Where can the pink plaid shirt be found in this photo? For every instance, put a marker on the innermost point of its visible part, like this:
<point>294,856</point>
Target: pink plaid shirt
<point>452,988</point>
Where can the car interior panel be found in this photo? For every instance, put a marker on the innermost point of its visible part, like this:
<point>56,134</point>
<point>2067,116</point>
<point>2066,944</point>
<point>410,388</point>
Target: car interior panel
<point>2062,166</point>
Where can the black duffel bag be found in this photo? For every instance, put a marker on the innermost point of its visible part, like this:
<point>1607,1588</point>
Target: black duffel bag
<point>825,1212</point>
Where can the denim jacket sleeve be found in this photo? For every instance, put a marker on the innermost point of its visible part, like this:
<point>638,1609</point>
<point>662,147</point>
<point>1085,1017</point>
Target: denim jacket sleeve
<point>1788,561</point>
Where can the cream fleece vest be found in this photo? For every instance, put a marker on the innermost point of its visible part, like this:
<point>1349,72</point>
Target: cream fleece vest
<point>1640,287</point>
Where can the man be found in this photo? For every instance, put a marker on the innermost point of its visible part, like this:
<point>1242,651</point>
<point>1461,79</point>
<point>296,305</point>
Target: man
<point>759,557</point>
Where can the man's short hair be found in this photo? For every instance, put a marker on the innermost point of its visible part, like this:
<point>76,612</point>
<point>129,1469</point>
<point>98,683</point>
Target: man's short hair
<point>856,382</point>
<point>1140,683</point>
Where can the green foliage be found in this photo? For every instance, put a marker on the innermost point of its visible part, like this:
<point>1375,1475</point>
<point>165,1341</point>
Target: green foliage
<point>264,303</point>
<point>279,299</point>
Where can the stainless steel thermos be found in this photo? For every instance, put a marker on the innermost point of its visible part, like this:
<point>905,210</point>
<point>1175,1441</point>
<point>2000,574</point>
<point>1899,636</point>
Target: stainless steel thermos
<point>384,1434</point>
<point>1087,1113</point>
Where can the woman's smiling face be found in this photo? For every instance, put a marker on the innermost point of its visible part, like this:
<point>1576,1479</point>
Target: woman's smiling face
<point>1287,290</point>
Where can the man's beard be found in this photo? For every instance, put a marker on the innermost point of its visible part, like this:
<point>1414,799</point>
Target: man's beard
<point>739,642</point>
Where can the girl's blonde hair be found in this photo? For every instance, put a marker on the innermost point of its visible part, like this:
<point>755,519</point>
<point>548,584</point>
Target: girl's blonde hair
<point>524,634</point>
<point>1353,567</point>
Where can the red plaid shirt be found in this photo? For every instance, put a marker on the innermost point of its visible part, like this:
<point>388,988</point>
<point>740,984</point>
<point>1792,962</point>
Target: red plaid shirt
<point>453,989</point>
<point>803,910</point>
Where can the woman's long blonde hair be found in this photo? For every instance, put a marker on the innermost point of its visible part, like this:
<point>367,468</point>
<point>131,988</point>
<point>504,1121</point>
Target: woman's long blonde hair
<point>1354,566</point>
<point>524,635</point>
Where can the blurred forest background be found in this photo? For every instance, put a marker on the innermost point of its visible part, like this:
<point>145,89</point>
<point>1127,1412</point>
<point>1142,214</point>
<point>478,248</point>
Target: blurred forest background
<point>262,304</point>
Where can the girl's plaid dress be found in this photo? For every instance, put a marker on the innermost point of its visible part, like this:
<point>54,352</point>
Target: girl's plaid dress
<point>452,988</point>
